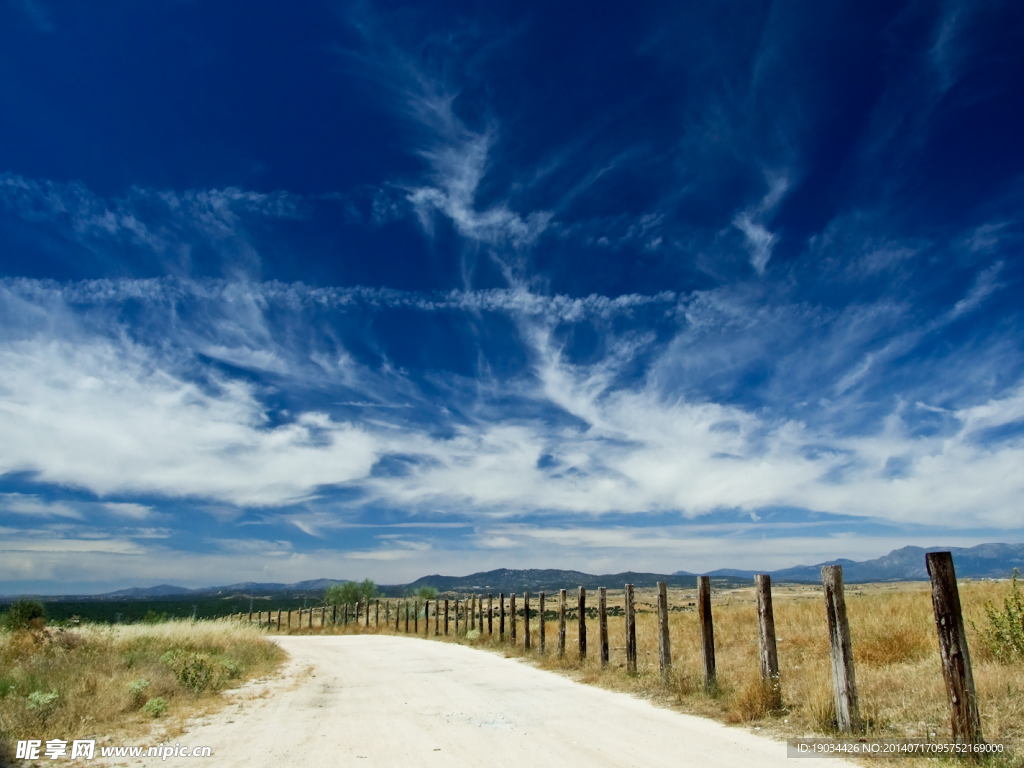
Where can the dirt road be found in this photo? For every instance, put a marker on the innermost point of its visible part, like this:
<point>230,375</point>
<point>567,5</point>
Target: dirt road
<point>394,701</point>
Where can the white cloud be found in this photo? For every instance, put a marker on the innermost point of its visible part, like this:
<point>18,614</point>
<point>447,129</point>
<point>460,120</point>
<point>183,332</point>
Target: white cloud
<point>27,504</point>
<point>100,415</point>
<point>750,222</point>
<point>85,407</point>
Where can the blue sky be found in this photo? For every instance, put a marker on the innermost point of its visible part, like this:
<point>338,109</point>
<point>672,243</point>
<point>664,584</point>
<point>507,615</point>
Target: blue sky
<point>373,290</point>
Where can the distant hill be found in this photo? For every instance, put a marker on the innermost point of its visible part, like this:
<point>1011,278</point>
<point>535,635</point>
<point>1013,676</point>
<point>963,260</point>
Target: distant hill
<point>994,561</point>
<point>549,580</point>
<point>163,590</point>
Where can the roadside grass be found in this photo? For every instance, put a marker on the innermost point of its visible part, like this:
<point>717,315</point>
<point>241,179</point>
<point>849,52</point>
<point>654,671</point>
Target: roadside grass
<point>899,678</point>
<point>115,681</point>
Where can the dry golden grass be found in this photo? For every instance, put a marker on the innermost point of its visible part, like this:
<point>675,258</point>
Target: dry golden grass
<point>101,681</point>
<point>899,679</point>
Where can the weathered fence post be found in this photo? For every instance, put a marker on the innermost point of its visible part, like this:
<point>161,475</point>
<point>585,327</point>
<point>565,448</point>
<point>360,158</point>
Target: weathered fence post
<point>344,615</point>
<point>766,637</point>
<point>437,617</point>
<point>387,613</point>
<point>561,623</point>
<point>630,631</point>
<point>310,625</point>
<point>456,615</point>
<point>490,614</point>
<point>583,623</point>
<point>289,619</point>
<point>357,613</point>
<point>407,617</point>
<point>334,614</point>
<point>480,608</point>
<point>250,617</point>
<point>398,615</point>
<point>472,612</point>
<point>512,610</point>
<point>376,615</point>
<point>501,616</point>
<point>844,685</point>
<point>664,649</point>
<point>602,618</point>
<point>416,618</point>
<point>446,615</point>
<point>367,613</point>
<point>526,620</point>
<point>541,617</point>
<point>956,660</point>
<point>278,619</point>
<point>707,633</point>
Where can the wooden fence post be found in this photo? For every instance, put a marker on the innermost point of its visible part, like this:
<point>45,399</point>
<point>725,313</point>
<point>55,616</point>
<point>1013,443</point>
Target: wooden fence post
<point>250,617</point>
<point>630,631</point>
<point>367,613</point>
<point>376,615</point>
<point>398,615</point>
<point>512,610</point>
<point>416,618</point>
<point>766,637</point>
<point>456,615</point>
<point>480,608</point>
<point>956,660</point>
<point>583,623</point>
<point>387,613</point>
<point>844,685</point>
<point>501,617</point>
<point>407,617</point>
<point>490,614</point>
<point>472,611</point>
<point>541,617</point>
<point>356,618</point>
<point>602,617</point>
<point>707,633</point>
<point>526,620</point>
<point>289,619</point>
<point>437,617</point>
<point>278,619</point>
<point>344,615</point>
<point>446,615</point>
<point>310,624</point>
<point>561,623</point>
<point>664,649</point>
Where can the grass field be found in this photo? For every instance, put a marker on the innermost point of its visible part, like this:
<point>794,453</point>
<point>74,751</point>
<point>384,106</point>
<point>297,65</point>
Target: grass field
<point>113,683</point>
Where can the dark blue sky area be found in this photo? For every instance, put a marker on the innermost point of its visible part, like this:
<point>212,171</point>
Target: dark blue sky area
<point>468,277</point>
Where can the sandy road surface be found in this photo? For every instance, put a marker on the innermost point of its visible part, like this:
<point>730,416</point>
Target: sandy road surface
<point>394,701</point>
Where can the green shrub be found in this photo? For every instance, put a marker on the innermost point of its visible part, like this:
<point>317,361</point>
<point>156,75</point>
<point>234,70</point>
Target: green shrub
<point>152,617</point>
<point>137,691</point>
<point>200,671</point>
<point>25,614</point>
<point>42,702</point>
<point>155,707</point>
<point>1004,635</point>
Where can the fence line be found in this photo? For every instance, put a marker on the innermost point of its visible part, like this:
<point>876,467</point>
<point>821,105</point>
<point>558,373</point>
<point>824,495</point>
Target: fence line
<point>953,651</point>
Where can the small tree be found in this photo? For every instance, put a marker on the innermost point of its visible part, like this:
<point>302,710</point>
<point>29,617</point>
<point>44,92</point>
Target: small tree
<point>426,593</point>
<point>25,614</point>
<point>1004,635</point>
<point>350,593</point>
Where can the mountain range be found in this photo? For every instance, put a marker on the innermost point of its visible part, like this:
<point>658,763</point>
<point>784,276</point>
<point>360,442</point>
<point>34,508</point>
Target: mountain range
<point>995,561</point>
<point>906,564</point>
